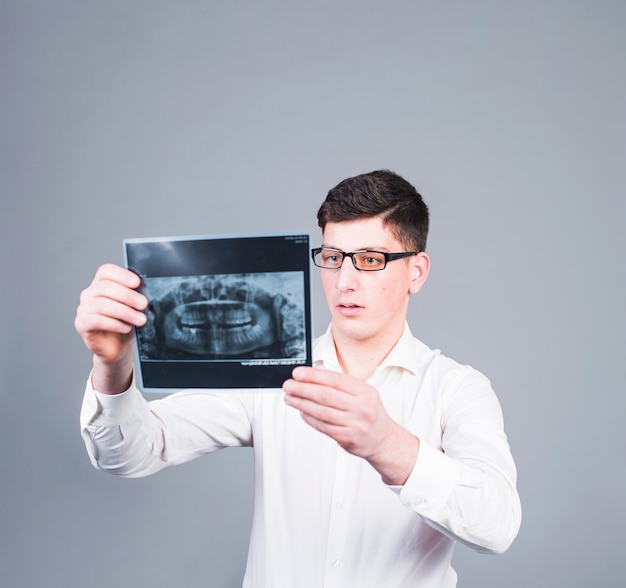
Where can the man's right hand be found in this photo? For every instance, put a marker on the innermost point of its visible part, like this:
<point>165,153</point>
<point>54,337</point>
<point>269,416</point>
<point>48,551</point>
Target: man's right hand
<point>109,309</point>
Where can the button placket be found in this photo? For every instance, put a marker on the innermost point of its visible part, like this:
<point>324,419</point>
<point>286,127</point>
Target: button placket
<point>338,523</point>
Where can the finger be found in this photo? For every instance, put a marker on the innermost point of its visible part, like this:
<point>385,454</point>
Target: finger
<point>336,380</point>
<point>105,288</point>
<point>322,377</point>
<point>319,412</point>
<point>103,314</point>
<point>116,273</point>
<point>332,429</point>
<point>117,292</point>
<point>302,395</point>
<point>89,324</point>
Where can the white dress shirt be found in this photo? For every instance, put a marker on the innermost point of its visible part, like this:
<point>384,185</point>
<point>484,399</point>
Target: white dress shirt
<point>323,517</point>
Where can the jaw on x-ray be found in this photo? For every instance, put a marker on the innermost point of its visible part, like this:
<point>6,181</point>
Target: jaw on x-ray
<point>256,315</point>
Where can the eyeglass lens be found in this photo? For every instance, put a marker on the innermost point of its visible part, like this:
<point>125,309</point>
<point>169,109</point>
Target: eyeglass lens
<point>363,260</point>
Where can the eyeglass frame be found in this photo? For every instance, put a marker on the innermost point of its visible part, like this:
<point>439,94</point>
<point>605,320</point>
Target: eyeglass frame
<point>387,256</point>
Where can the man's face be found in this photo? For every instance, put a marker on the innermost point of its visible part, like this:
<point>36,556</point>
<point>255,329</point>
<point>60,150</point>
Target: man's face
<point>369,307</point>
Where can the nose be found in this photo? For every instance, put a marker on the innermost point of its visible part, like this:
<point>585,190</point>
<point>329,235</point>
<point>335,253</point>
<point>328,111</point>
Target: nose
<point>347,276</point>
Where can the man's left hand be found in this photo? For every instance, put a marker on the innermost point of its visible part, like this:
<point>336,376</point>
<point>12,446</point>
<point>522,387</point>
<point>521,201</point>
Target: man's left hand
<point>351,412</point>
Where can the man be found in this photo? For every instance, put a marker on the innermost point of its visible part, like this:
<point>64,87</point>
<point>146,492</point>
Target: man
<point>370,465</point>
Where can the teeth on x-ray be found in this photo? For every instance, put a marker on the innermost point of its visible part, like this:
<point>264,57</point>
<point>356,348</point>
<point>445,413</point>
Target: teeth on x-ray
<point>219,327</point>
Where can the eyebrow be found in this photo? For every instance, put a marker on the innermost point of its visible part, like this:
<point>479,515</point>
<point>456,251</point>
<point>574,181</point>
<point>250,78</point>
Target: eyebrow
<point>368,248</point>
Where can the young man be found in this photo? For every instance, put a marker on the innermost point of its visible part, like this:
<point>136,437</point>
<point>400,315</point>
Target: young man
<point>370,465</point>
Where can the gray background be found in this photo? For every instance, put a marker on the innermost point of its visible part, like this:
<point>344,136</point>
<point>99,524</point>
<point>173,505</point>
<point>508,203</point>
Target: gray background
<point>138,119</point>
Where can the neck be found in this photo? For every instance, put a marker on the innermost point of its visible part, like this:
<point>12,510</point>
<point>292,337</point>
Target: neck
<point>360,358</point>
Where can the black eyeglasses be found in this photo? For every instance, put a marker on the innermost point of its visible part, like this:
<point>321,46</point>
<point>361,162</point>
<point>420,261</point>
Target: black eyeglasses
<point>367,261</point>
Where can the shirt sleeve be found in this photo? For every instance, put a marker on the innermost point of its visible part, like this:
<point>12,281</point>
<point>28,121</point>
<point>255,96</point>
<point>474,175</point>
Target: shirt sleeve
<point>128,436</point>
<point>467,487</point>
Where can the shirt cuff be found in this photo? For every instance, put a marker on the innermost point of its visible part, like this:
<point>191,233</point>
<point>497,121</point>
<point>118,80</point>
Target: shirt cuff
<point>113,409</point>
<point>430,484</point>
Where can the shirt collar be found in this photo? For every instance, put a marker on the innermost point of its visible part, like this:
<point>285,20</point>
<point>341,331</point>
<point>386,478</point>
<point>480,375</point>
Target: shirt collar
<point>404,354</point>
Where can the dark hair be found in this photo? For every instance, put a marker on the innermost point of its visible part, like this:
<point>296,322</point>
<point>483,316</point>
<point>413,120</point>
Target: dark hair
<point>383,194</point>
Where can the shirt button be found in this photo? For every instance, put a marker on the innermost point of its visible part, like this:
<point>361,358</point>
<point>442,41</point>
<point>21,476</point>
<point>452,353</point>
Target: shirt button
<point>334,562</point>
<point>339,505</point>
<point>106,412</point>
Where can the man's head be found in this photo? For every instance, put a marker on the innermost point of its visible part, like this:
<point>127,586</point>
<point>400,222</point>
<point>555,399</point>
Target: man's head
<point>382,194</point>
<point>376,213</point>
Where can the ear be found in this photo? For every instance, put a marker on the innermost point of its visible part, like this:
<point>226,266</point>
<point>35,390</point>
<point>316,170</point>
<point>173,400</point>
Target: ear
<point>420,266</point>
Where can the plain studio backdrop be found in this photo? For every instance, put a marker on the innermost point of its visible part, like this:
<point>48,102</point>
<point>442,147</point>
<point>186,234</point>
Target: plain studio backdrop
<point>142,119</point>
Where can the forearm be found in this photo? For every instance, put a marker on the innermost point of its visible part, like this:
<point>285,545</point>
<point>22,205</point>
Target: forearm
<point>473,502</point>
<point>127,436</point>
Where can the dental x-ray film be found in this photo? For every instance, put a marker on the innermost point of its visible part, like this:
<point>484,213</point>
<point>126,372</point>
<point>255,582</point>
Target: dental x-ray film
<point>224,311</point>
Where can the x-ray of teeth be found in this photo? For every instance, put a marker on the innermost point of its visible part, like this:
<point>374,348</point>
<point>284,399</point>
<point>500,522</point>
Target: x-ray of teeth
<point>217,317</point>
<point>225,312</point>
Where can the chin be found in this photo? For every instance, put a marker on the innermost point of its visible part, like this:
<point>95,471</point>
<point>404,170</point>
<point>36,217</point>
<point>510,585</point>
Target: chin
<point>351,329</point>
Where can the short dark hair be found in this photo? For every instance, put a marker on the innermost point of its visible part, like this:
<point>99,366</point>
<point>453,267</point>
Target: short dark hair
<point>383,194</point>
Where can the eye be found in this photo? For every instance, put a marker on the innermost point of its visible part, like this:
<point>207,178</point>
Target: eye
<point>330,257</point>
<point>370,260</point>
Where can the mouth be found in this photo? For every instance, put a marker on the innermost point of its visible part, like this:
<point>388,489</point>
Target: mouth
<point>349,309</point>
<point>348,304</point>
